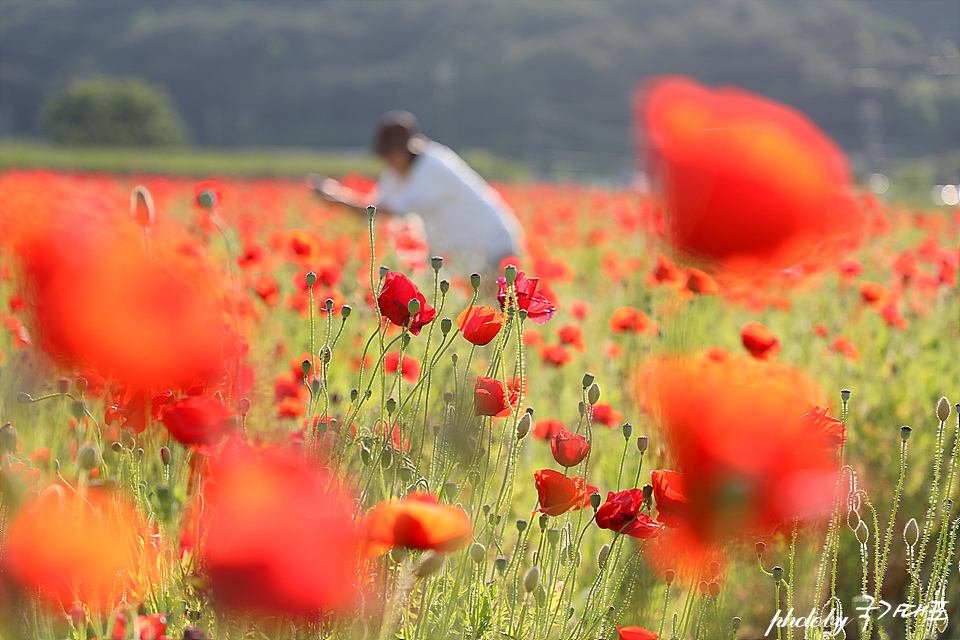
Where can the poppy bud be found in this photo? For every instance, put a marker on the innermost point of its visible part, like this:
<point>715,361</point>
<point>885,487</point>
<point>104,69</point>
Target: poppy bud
<point>165,456</point>
<point>436,262</point>
<point>714,589</point>
<point>532,580</point>
<point>78,409</point>
<point>521,525</point>
<point>777,574</point>
<point>911,532</point>
<point>386,458</point>
<point>63,385</point>
<point>311,278</point>
<point>365,456</point>
<point>603,555</point>
<point>760,548</point>
<point>736,623</point>
<point>450,490</point>
<point>475,281</point>
<point>325,354</point>
<point>328,303</point>
<point>845,394</point>
<point>367,393</point>
<point>570,612</point>
<point>500,564</point>
<point>141,207</point>
<point>478,552</point>
<point>413,306</point>
<point>305,367</point>
<point>510,273</point>
<point>668,576</point>
<point>627,429</point>
<point>943,409</point>
<point>391,405</point>
<point>703,587</point>
<point>587,379</point>
<point>81,384</point>
<point>383,272</point>
<point>523,426</point>
<point>445,325</point>
<point>444,287</point>
<point>405,474</point>
<point>611,613</point>
<point>595,500</point>
<point>523,313</point>
<point>905,433</point>
<point>206,199</point>
<point>116,447</point>
<point>243,406</point>
<point>486,509</point>
<point>647,492</point>
<point>345,311</point>
<point>8,438</point>
<point>430,563</point>
<point>371,211</point>
<point>322,426</point>
<point>642,443</point>
<point>398,554</point>
<point>540,595</point>
<point>593,393</point>
<point>553,536</point>
<point>454,358</point>
<point>543,521</point>
<point>89,456</point>
<point>581,407</point>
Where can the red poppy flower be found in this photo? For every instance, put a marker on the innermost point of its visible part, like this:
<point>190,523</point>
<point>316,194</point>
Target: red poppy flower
<point>603,413</point>
<point>16,478</point>
<point>629,319</point>
<point>555,355</point>
<point>290,408</point>
<point>92,549</point>
<point>666,273</point>
<point>844,345</point>
<point>635,633</point>
<point>280,536</point>
<point>759,341</point>
<point>266,287</point>
<point>749,458</point>
<point>418,522</point>
<point>829,433</point>
<point>490,398</point>
<point>572,335</point>
<point>669,492</point>
<point>546,428</point>
<point>579,309</point>
<point>532,337</point>
<point>558,493</point>
<point>568,449</point>
<point>699,281</point>
<point>197,420</point>
<point>621,513</point>
<point>394,300</point>
<point>479,325</point>
<point>409,368</point>
<point>539,309</point>
<point>874,293</point>
<point>747,183</point>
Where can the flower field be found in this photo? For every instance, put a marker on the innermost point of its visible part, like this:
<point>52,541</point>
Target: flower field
<point>233,410</point>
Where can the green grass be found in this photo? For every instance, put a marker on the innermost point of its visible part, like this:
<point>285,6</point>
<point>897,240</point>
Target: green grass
<point>278,162</point>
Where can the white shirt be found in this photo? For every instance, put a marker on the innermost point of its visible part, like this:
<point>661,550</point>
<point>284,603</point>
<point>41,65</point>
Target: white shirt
<point>464,217</point>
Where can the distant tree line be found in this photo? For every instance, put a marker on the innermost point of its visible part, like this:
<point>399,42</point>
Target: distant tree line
<point>547,83</point>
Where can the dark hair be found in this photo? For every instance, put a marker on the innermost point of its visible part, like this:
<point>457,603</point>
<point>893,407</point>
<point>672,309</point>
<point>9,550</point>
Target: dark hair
<point>397,130</point>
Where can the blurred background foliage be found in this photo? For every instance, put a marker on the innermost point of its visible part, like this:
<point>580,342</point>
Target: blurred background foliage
<point>547,85</point>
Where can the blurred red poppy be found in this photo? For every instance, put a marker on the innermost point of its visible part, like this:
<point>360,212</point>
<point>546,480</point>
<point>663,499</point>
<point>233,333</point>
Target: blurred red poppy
<point>750,458</point>
<point>629,319</point>
<point>558,493</point>
<point>279,535</point>
<point>604,413</point>
<point>555,355</point>
<point>572,335</point>
<point>829,433</point>
<point>759,341</point>
<point>666,273</point>
<point>479,325</point>
<point>568,449</point>
<point>409,367</point>
<point>621,513</point>
<point>539,309</point>
<point>635,633</point>
<point>197,420</point>
<point>699,281</point>
<point>394,300</point>
<point>748,184</point>
<point>418,522</point>
<point>92,549</point>
<point>546,428</point>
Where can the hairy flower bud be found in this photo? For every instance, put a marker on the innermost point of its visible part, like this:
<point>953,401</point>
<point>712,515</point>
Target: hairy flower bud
<point>345,311</point>
<point>532,580</point>
<point>587,379</point>
<point>413,306</point>
<point>943,409</point>
<point>445,325</point>
<point>593,393</point>
<point>478,552</point>
<point>669,575</point>
<point>63,385</point>
<point>523,426</point>
<point>603,555</point>
<point>430,563</point>
<point>89,456</point>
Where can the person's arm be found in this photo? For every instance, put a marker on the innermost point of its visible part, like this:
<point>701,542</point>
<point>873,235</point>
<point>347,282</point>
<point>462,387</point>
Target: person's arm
<point>333,191</point>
